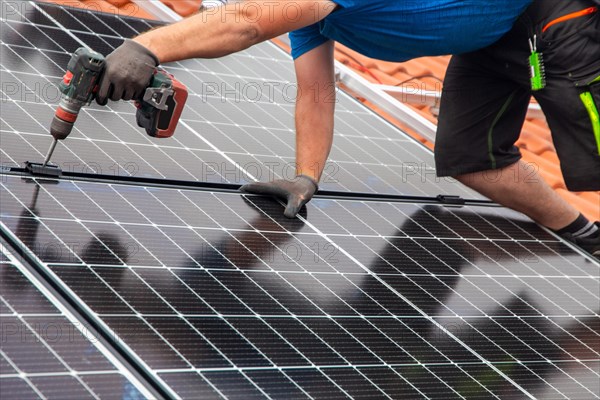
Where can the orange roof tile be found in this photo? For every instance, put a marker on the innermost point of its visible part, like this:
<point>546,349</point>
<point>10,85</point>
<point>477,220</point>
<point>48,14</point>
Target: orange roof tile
<point>535,142</point>
<point>183,7</point>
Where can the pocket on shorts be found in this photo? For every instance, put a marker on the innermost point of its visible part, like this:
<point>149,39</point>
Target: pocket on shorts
<point>573,49</point>
<point>561,28</point>
<point>589,79</point>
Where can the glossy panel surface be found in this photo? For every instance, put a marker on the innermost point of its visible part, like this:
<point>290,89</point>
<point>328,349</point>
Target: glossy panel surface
<point>43,355</point>
<point>219,294</point>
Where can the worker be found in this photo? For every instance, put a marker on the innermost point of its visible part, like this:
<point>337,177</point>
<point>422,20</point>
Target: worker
<point>486,92</point>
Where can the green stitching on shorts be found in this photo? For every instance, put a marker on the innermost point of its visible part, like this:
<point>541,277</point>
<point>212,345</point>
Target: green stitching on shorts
<point>491,131</point>
<point>590,106</point>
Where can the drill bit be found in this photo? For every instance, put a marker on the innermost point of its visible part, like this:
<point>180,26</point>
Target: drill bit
<point>50,151</point>
<point>77,87</point>
<point>59,128</point>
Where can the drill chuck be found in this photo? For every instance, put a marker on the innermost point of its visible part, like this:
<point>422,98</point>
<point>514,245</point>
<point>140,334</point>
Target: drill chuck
<point>60,129</point>
<point>65,117</point>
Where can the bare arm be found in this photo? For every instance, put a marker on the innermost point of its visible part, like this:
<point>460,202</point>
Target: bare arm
<point>315,105</point>
<point>315,108</point>
<point>234,27</point>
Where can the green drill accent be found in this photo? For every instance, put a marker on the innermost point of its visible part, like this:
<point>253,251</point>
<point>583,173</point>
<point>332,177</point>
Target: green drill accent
<point>538,73</point>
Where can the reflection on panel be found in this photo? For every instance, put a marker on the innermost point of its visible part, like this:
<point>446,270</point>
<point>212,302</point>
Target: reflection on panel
<point>43,354</point>
<point>220,294</point>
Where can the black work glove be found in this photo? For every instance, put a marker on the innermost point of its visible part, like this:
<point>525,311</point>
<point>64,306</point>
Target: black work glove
<point>296,192</point>
<point>128,71</point>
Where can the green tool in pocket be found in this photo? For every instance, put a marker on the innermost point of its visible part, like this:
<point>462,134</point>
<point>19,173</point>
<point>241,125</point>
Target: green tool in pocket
<point>536,66</point>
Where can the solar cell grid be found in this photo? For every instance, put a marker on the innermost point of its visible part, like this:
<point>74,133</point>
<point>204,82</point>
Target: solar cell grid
<point>238,125</point>
<point>43,353</point>
<point>209,306</point>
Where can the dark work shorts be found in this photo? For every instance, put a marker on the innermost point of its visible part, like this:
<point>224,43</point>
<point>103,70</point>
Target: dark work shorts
<point>486,96</point>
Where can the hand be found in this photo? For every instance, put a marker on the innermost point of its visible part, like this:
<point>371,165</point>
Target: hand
<point>296,192</point>
<point>127,73</point>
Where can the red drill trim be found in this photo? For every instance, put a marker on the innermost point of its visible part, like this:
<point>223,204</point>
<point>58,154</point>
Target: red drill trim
<point>65,115</point>
<point>67,78</point>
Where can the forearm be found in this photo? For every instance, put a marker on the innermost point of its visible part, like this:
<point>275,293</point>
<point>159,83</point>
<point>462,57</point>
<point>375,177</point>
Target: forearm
<point>205,35</point>
<point>314,131</point>
<point>231,28</point>
<point>315,107</point>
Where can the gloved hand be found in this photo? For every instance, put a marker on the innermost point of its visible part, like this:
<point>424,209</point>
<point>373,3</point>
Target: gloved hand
<point>128,71</point>
<point>296,192</point>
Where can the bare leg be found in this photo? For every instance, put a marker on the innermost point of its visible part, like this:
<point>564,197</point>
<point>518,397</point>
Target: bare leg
<point>519,187</point>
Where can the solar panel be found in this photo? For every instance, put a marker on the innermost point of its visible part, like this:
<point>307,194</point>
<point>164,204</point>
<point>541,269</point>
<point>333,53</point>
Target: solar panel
<point>218,294</point>
<point>211,294</point>
<point>44,352</point>
<point>238,125</point>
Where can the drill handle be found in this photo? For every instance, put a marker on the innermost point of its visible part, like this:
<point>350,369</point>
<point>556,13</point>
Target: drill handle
<point>160,107</point>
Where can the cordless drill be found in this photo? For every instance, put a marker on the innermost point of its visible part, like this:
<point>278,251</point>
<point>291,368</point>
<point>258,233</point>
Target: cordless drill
<point>158,110</point>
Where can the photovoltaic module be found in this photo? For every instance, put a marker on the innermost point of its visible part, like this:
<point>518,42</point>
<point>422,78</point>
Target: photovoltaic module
<point>201,292</point>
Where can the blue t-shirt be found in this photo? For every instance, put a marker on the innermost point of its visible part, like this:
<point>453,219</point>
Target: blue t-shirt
<point>399,30</point>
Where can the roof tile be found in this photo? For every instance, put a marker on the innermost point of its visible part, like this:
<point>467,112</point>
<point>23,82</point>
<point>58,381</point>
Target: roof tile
<point>183,7</point>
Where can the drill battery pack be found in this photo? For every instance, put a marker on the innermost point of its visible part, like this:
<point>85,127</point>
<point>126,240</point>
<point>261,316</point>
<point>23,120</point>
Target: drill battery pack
<point>160,107</point>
